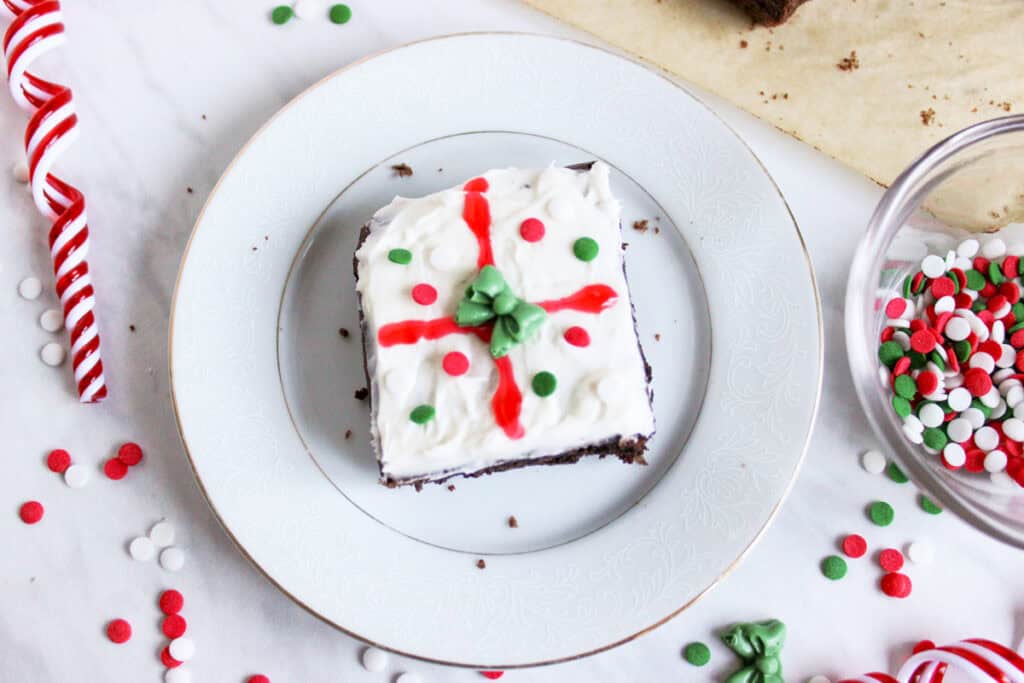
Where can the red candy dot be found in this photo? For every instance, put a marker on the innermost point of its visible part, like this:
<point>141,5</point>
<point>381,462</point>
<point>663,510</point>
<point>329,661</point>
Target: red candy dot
<point>115,469</point>
<point>854,545</point>
<point>258,678</point>
<point>455,363</point>
<point>531,230</point>
<point>171,602</point>
<point>492,675</point>
<point>977,381</point>
<point>896,585</point>
<point>31,512</point>
<point>922,341</point>
<point>167,660</point>
<point>424,294</point>
<point>896,307</point>
<point>927,382</point>
<point>891,560</point>
<point>119,631</point>
<point>923,645</point>
<point>476,185</point>
<point>174,626</point>
<point>130,454</point>
<point>577,336</point>
<point>58,460</point>
<point>942,286</point>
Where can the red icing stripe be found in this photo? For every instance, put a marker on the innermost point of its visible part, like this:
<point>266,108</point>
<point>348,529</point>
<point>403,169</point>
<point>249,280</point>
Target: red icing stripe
<point>412,331</point>
<point>590,299</point>
<point>476,211</point>
<point>508,400</point>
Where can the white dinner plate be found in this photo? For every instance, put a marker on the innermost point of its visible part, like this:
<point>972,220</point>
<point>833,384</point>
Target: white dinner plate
<point>263,382</point>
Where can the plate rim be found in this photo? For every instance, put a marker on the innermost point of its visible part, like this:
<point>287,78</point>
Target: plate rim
<point>664,75</point>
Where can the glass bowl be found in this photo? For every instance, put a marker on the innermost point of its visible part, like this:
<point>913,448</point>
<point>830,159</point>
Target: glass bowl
<point>900,233</point>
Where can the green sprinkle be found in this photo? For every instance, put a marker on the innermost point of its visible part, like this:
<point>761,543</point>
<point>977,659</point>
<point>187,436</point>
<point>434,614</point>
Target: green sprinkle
<point>921,285</point>
<point>697,654</point>
<point>975,280</point>
<point>907,281</point>
<point>962,350</point>
<point>934,357</point>
<point>400,256</point>
<point>935,438</point>
<point>995,274</point>
<point>896,474</point>
<point>422,414</point>
<point>1018,311</point>
<point>927,505</point>
<point>901,406</point>
<point>985,410</point>
<point>544,383</point>
<point>881,513</point>
<point>956,284</point>
<point>917,360</point>
<point>978,306</point>
<point>905,386</point>
<point>1018,326</point>
<point>833,567</point>
<point>340,14</point>
<point>585,249</point>
<point>281,14</point>
<point>890,352</point>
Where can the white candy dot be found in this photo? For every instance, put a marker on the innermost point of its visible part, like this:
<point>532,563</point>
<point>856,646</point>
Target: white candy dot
<point>30,288</point>
<point>992,398</point>
<point>933,266</point>
<point>308,9</point>
<point>819,679</point>
<point>51,320</point>
<point>141,549</point>
<point>998,331</point>
<point>959,430</point>
<point>1014,395</point>
<point>903,339</point>
<point>995,461</point>
<point>950,259</point>
<point>1018,411</point>
<point>873,461</point>
<point>1014,429</point>
<point>180,674</point>
<point>172,559</point>
<point>959,399</point>
<point>931,415</point>
<point>968,248</point>
<point>921,552</point>
<point>957,329</point>
<point>1008,356</point>
<point>954,454</point>
<point>912,422</point>
<point>1003,374</point>
<point>52,354</point>
<point>162,534</point>
<point>975,417</point>
<point>182,648</point>
<point>76,476</point>
<point>999,410</point>
<point>982,360</point>
<point>963,264</point>
<point>20,173</point>
<point>994,248</point>
<point>913,435</point>
<point>374,660</point>
<point>408,677</point>
<point>945,304</point>
<point>986,438</point>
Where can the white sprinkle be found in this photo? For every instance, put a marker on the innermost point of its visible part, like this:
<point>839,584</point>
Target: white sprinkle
<point>959,399</point>
<point>954,381</point>
<point>52,320</point>
<point>986,438</point>
<point>903,339</point>
<point>408,677</point>
<point>901,323</point>
<point>978,327</point>
<point>180,674</point>
<point>30,288</point>
<point>995,461</point>
<point>998,331</point>
<point>141,549</point>
<point>1002,311</point>
<point>819,679</point>
<point>20,173</point>
<point>52,354</point>
<point>931,415</point>
<point>1000,375</point>
<point>950,259</point>
<point>975,417</point>
<point>957,329</point>
<point>1014,428</point>
<point>913,422</point>
<point>921,552</point>
<point>307,9</point>
<point>1008,356</point>
<point>968,248</point>
<point>162,534</point>
<point>959,429</point>
<point>1014,395</point>
<point>374,660</point>
<point>999,410</point>
<point>933,266</point>
<point>991,399</point>
<point>954,454</point>
<point>182,648</point>
<point>172,559</point>
<point>873,461</point>
<point>76,476</point>
<point>982,360</point>
<point>913,435</point>
<point>994,248</point>
<point>945,305</point>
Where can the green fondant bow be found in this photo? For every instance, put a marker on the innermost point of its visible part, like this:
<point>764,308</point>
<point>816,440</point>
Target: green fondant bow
<point>489,298</point>
<point>759,646</point>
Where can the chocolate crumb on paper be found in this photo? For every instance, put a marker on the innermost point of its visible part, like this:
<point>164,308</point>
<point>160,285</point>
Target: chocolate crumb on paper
<point>640,226</point>
<point>480,564</point>
<point>743,44</point>
<point>513,523</point>
<point>451,487</point>
<point>362,393</point>
<point>343,332</point>
<point>402,170</point>
<point>131,328</point>
<point>927,116</point>
<point>188,189</point>
<point>850,63</point>
<point>348,433</point>
<point>657,336</point>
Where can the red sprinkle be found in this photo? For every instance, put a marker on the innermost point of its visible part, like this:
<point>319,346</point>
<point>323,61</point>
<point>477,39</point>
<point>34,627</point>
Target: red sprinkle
<point>577,336</point>
<point>923,645</point>
<point>991,347</point>
<point>915,283</point>
<point>854,545</point>
<point>960,276</point>
<point>492,675</point>
<point>130,454</point>
<point>174,625</point>
<point>455,363</point>
<point>922,341</point>
<point>119,631</point>
<point>977,381</point>
<point>167,660</point>
<point>171,601</point>
<point>258,678</point>
<point>963,300</point>
<point>58,460</point>
<point>896,585</point>
<point>424,294</point>
<point>887,334</point>
<point>996,302</point>
<point>927,382</point>
<point>975,460</point>
<point>115,469</point>
<point>902,366</point>
<point>918,324</point>
<point>532,230</point>
<point>891,560</point>
<point>1011,267</point>
<point>31,512</point>
<point>1017,339</point>
<point>981,264</point>
<point>942,286</point>
<point>896,307</point>
<point>1011,291</point>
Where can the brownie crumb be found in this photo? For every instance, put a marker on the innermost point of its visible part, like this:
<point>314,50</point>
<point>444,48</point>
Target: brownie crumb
<point>927,116</point>
<point>657,336</point>
<point>480,564</point>
<point>188,189</point>
<point>402,170</point>
<point>657,230</point>
<point>640,226</point>
<point>131,328</point>
<point>850,63</point>
<point>362,393</point>
<point>513,523</point>
<point>440,170</point>
<point>743,44</point>
<point>254,248</point>
<point>343,332</point>
<point>348,433</point>
<point>451,487</point>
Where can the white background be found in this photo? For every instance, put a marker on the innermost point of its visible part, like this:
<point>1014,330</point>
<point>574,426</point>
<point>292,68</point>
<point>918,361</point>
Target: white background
<point>144,74</point>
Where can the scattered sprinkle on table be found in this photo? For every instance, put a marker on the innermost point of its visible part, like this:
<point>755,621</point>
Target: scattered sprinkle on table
<point>341,13</point>
<point>881,513</point>
<point>115,469</point>
<point>697,654</point>
<point>513,523</point>
<point>407,677</point>
<point>52,354</point>
<point>374,659</point>
<point>480,564</point>
<point>167,660</point>
<point>873,461</point>
<point>20,173</point>
<point>855,546</point>
<point>492,675</point>
<point>119,631</point>
<point>51,320</point>
<point>927,505</point>
<point>896,474</point>
<point>258,678</point>
<point>921,552</point>
<point>833,567</point>
<point>171,601</point>
<point>59,460</point>
<point>130,454</point>
<point>307,9</point>
<point>162,534</point>
<point>31,512</point>
<point>172,559</point>
<point>819,679</point>
<point>179,675</point>
<point>896,585</point>
<point>141,549</point>
<point>281,14</point>
<point>923,645</point>
<point>174,626</point>
<point>182,649</point>
<point>30,288</point>
<point>76,476</point>
<point>891,560</point>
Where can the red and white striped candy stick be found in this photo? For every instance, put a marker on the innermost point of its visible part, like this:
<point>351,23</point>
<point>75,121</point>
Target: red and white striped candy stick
<point>873,677</point>
<point>982,661</point>
<point>38,28</point>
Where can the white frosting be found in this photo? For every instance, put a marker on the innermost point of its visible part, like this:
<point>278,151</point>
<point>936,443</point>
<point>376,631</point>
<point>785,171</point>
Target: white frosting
<point>602,391</point>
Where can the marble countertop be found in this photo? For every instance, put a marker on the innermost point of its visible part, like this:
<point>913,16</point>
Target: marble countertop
<point>167,94</point>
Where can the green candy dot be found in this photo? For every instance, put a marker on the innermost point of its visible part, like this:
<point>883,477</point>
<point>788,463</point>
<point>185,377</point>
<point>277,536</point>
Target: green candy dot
<point>697,654</point>
<point>281,14</point>
<point>881,513</point>
<point>1018,311</point>
<point>901,406</point>
<point>975,280</point>
<point>962,350</point>
<point>833,567</point>
<point>422,414</point>
<point>934,357</point>
<point>919,360</point>
<point>927,505</point>
<point>978,306</point>
<point>585,249</point>
<point>544,383</point>
<point>985,410</point>
<point>890,352</point>
<point>905,386</point>
<point>400,256</point>
<point>934,438</point>
<point>896,474</point>
<point>340,14</point>
<point>907,291</point>
<point>995,274</point>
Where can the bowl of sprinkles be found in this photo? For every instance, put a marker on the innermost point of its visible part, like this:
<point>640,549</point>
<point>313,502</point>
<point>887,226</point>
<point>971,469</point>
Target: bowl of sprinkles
<point>935,333</point>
